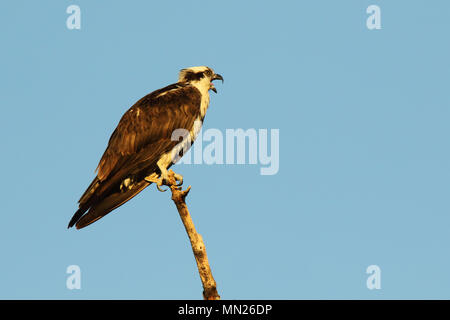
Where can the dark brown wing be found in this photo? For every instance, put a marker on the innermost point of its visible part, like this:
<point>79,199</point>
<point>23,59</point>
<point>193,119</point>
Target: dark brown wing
<point>142,136</point>
<point>152,118</point>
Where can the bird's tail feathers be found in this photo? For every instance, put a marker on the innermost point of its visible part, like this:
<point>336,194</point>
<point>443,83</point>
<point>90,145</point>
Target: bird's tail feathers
<point>77,216</point>
<point>106,205</point>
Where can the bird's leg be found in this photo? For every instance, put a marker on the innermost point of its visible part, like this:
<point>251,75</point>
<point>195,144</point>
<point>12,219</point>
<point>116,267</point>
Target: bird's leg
<point>168,178</point>
<point>158,181</point>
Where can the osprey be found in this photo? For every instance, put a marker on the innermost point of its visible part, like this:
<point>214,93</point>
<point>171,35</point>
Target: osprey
<point>142,147</point>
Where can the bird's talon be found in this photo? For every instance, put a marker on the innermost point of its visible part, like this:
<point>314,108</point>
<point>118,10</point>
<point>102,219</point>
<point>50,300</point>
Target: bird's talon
<point>179,179</point>
<point>158,181</point>
<point>160,189</point>
<point>166,179</point>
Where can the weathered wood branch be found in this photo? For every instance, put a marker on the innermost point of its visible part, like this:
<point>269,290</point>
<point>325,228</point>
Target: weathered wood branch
<point>197,244</point>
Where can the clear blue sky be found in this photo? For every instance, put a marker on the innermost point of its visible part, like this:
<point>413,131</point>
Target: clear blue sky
<point>364,148</point>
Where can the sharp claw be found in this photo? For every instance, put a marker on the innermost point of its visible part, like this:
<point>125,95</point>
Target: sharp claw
<point>180,179</point>
<point>158,182</point>
<point>159,188</point>
<point>162,180</point>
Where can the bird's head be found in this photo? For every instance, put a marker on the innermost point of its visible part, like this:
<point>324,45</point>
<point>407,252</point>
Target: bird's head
<point>200,77</point>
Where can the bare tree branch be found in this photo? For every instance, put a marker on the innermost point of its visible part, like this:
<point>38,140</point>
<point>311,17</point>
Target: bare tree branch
<point>198,246</point>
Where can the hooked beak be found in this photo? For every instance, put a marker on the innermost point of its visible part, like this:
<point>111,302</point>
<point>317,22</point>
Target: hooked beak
<point>215,77</point>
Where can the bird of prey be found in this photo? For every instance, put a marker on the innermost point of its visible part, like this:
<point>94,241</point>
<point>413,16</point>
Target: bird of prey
<point>142,147</point>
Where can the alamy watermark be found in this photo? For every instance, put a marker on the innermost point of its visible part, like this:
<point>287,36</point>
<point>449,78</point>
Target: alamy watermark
<point>235,146</point>
<point>73,21</point>
<point>373,22</point>
<point>374,280</point>
<point>73,281</point>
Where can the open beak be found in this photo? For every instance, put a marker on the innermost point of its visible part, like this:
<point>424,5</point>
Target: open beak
<point>215,77</point>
